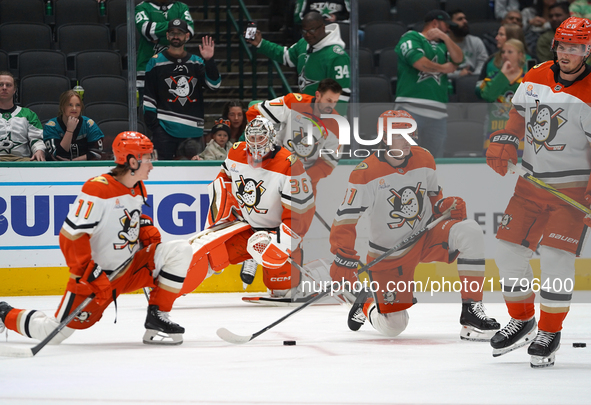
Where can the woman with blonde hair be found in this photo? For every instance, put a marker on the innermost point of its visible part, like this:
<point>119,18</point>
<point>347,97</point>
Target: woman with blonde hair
<point>501,85</point>
<point>70,135</point>
<point>495,61</point>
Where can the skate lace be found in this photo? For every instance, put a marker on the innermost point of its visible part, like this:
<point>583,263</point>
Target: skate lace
<point>165,316</point>
<point>359,316</point>
<point>512,327</point>
<point>249,267</point>
<point>544,338</point>
<point>478,310</point>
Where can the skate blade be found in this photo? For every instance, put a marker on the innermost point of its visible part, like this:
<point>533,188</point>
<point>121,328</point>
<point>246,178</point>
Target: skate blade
<point>154,337</point>
<point>542,362</point>
<point>474,334</point>
<point>526,339</point>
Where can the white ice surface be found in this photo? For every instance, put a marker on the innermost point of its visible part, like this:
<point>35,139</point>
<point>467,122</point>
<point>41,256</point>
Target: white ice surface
<point>427,364</point>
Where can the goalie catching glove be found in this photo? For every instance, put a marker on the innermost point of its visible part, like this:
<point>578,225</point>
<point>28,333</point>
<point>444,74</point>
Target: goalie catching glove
<point>501,149</point>
<point>457,205</point>
<point>94,281</point>
<point>272,249</point>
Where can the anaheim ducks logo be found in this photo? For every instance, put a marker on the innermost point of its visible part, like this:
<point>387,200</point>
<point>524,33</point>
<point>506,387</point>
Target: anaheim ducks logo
<point>131,230</point>
<point>543,126</point>
<point>407,204</point>
<point>299,145</point>
<point>505,221</point>
<point>249,195</point>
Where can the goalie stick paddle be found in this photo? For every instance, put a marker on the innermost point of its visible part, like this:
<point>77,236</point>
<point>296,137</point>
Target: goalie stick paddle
<point>521,172</point>
<point>11,351</point>
<point>230,337</point>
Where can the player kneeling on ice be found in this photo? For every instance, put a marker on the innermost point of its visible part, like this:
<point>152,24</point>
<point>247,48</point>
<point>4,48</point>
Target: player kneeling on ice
<point>268,189</point>
<point>102,239</point>
<point>400,192</point>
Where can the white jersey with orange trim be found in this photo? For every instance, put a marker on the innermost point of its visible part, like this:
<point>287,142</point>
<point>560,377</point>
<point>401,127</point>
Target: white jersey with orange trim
<point>556,124</point>
<point>278,191</point>
<point>398,201</point>
<point>109,213</point>
<point>294,113</point>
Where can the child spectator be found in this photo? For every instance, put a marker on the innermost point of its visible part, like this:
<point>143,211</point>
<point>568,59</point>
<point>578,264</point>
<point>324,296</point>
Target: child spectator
<point>218,147</point>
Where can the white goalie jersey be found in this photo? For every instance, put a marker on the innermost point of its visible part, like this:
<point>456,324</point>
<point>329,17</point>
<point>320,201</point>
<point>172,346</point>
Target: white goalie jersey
<point>397,200</point>
<point>279,191</point>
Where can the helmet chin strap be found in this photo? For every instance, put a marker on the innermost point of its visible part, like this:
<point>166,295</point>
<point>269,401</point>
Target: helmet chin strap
<point>139,163</point>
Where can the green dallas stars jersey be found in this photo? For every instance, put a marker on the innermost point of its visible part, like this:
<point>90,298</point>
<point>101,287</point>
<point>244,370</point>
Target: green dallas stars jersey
<point>21,133</point>
<point>328,59</point>
<point>414,86</point>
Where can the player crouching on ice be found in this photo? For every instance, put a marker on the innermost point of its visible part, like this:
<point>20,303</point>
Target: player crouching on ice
<point>102,235</point>
<point>267,188</point>
<point>400,192</point>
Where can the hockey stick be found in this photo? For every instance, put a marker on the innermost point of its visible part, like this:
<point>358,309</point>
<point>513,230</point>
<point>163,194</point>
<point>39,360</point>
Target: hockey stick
<point>407,241</point>
<point>322,221</point>
<point>537,182</point>
<point>32,351</point>
<point>230,337</point>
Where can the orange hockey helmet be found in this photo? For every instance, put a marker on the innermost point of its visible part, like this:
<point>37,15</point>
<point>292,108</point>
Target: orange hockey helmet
<point>398,114</point>
<point>574,30</point>
<point>131,143</point>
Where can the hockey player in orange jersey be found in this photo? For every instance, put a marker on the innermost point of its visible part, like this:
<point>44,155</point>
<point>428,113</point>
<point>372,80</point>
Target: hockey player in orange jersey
<point>105,231</point>
<point>397,188</point>
<point>551,112</point>
<point>293,115</point>
<point>261,206</point>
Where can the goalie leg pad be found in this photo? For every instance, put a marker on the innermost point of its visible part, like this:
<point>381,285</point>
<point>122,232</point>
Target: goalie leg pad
<point>210,252</point>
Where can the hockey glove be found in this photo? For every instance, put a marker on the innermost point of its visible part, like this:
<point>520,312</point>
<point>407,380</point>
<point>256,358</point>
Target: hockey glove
<point>457,212</point>
<point>344,267</point>
<point>148,232</point>
<point>271,250</point>
<point>94,280</point>
<point>223,205</point>
<point>500,150</point>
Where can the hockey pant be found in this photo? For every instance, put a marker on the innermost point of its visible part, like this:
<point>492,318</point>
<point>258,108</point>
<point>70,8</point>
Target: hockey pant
<point>531,215</point>
<point>161,266</point>
<point>392,281</point>
<point>216,248</point>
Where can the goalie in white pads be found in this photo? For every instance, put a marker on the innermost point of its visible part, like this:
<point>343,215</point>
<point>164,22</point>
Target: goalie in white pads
<point>105,229</point>
<point>399,191</point>
<point>267,188</point>
<point>551,112</point>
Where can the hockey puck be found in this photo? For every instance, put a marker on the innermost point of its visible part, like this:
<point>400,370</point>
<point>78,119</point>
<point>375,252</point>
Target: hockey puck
<point>289,343</point>
<point>580,344</point>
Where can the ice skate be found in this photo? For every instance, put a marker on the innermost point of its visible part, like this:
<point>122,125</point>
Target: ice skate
<point>476,325</point>
<point>543,349</point>
<point>160,330</point>
<point>4,310</point>
<point>513,336</point>
<point>247,272</point>
<point>356,317</point>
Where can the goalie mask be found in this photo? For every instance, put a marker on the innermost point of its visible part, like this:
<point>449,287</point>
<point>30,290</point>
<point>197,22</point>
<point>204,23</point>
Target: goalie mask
<point>260,138</point>
<point>131,143</point>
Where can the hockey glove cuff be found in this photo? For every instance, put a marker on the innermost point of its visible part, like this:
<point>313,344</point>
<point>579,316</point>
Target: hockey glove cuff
<point>501,149</point>
<point>457,212</point>
<point>344,267</point>
<point>148,232</point>
<point>94,280</point>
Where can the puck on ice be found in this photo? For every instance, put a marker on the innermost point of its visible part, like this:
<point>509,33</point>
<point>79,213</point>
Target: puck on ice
<point>289,343</point>
<point>579,344</point>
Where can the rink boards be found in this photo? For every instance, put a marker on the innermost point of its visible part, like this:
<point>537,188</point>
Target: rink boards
<point>34,200</point>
